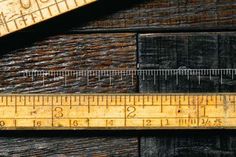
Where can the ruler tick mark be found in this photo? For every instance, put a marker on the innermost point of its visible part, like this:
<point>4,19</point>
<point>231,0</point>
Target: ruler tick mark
<point>5,22</point>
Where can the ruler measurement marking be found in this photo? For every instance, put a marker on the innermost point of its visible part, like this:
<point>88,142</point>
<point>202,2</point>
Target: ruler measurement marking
<point>23,18</point>
<point>67,6</point>
<point>57,5</point>
<point>117,118</point>
<point>125,112</point>
<point>15,105</point>
<point>5,22</point>
<point>52,113</point>
<point>7,6</point>
<point>39,9</point>
<point>104,105</point>
<point>154,119</point>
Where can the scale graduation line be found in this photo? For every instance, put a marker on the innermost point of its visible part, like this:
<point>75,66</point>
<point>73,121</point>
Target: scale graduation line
<point>118,111</point>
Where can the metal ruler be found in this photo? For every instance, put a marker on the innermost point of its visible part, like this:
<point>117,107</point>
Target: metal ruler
<point>117,111</point>
<point>120,110</point>
<point>18,14</point>
<point>150,75</point>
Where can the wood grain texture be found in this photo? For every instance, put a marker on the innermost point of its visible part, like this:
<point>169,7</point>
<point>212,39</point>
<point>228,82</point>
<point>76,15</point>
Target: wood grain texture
<point>68,146</point>
<point>189,143</point>
<point>61,52</point>
<point>188,50</point>
<point>146,15</point>
<point>70,52</point>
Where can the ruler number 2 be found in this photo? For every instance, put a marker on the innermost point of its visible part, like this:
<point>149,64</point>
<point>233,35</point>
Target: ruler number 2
<point>131,112</point>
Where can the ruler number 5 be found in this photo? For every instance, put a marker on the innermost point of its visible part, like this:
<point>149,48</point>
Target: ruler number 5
<point>58,112</point>
<point>131,112</point>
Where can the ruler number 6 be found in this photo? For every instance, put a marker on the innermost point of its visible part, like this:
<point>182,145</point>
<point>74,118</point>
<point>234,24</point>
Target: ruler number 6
<point>131,112</point>
<point>58,112</point>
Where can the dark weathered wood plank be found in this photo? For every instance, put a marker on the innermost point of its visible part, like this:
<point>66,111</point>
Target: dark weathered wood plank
<point>189,143</point>
<point>65,52</point>
<point>188,50</point>
<point>70,52</point>
<point>146,15</point>
<point>68,146</point>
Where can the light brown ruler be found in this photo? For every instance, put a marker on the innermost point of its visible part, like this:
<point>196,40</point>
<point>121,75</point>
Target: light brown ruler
<point>118,111</point>
<point>18,14</point>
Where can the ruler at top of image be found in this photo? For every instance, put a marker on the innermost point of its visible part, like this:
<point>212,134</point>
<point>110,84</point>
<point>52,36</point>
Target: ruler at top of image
<point>118,111</point>
<point>18,14</point>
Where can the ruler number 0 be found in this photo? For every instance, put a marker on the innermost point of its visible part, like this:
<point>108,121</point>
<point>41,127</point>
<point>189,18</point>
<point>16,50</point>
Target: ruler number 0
<point>58,112</point>
<point>131,112</point>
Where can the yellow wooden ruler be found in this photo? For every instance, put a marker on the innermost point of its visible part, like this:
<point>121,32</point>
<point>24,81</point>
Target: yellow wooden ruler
<point>18,14</point>
<point>117,111</point>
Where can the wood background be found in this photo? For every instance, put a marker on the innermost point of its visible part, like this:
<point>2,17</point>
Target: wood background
<point>123,34</point>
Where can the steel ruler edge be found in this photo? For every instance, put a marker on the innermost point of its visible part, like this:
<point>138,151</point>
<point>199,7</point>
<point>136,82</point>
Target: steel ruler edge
<point>18,14</point>
<point>117,111</point>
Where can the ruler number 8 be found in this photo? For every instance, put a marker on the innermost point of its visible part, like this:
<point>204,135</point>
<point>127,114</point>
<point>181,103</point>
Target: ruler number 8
<point>58,112</point>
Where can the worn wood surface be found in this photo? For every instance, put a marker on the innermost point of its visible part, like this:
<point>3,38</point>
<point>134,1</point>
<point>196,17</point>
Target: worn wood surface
<point>63,43</point>
<point>188,50</point>
<point>70,52</point>
<point>79,51</point>
<point>145,16</point>
<point>61,145</point>
<point>152,15</point>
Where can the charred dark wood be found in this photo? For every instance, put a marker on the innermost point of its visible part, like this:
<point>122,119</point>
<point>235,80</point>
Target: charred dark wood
<point>194,51</point>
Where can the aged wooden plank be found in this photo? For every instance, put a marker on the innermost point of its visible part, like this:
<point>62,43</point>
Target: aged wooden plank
<point>188,50</point>
<point>189,143</point>
<point>70,52</point>
<point>153,15</point>
<point>145,16</point>
<point>68,146</point>
<point>61,52</point>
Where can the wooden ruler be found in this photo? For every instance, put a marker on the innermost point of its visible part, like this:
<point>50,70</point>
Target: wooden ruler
<point>117,111</point>
<point>18,14</point>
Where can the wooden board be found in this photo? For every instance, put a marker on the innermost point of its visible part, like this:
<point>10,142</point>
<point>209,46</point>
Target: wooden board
<point>124,16</point>
<point>97,51</point>
<point>79,51</point>
<point>160,15</point>
<point>188,50</point>
<point>67,144</point>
